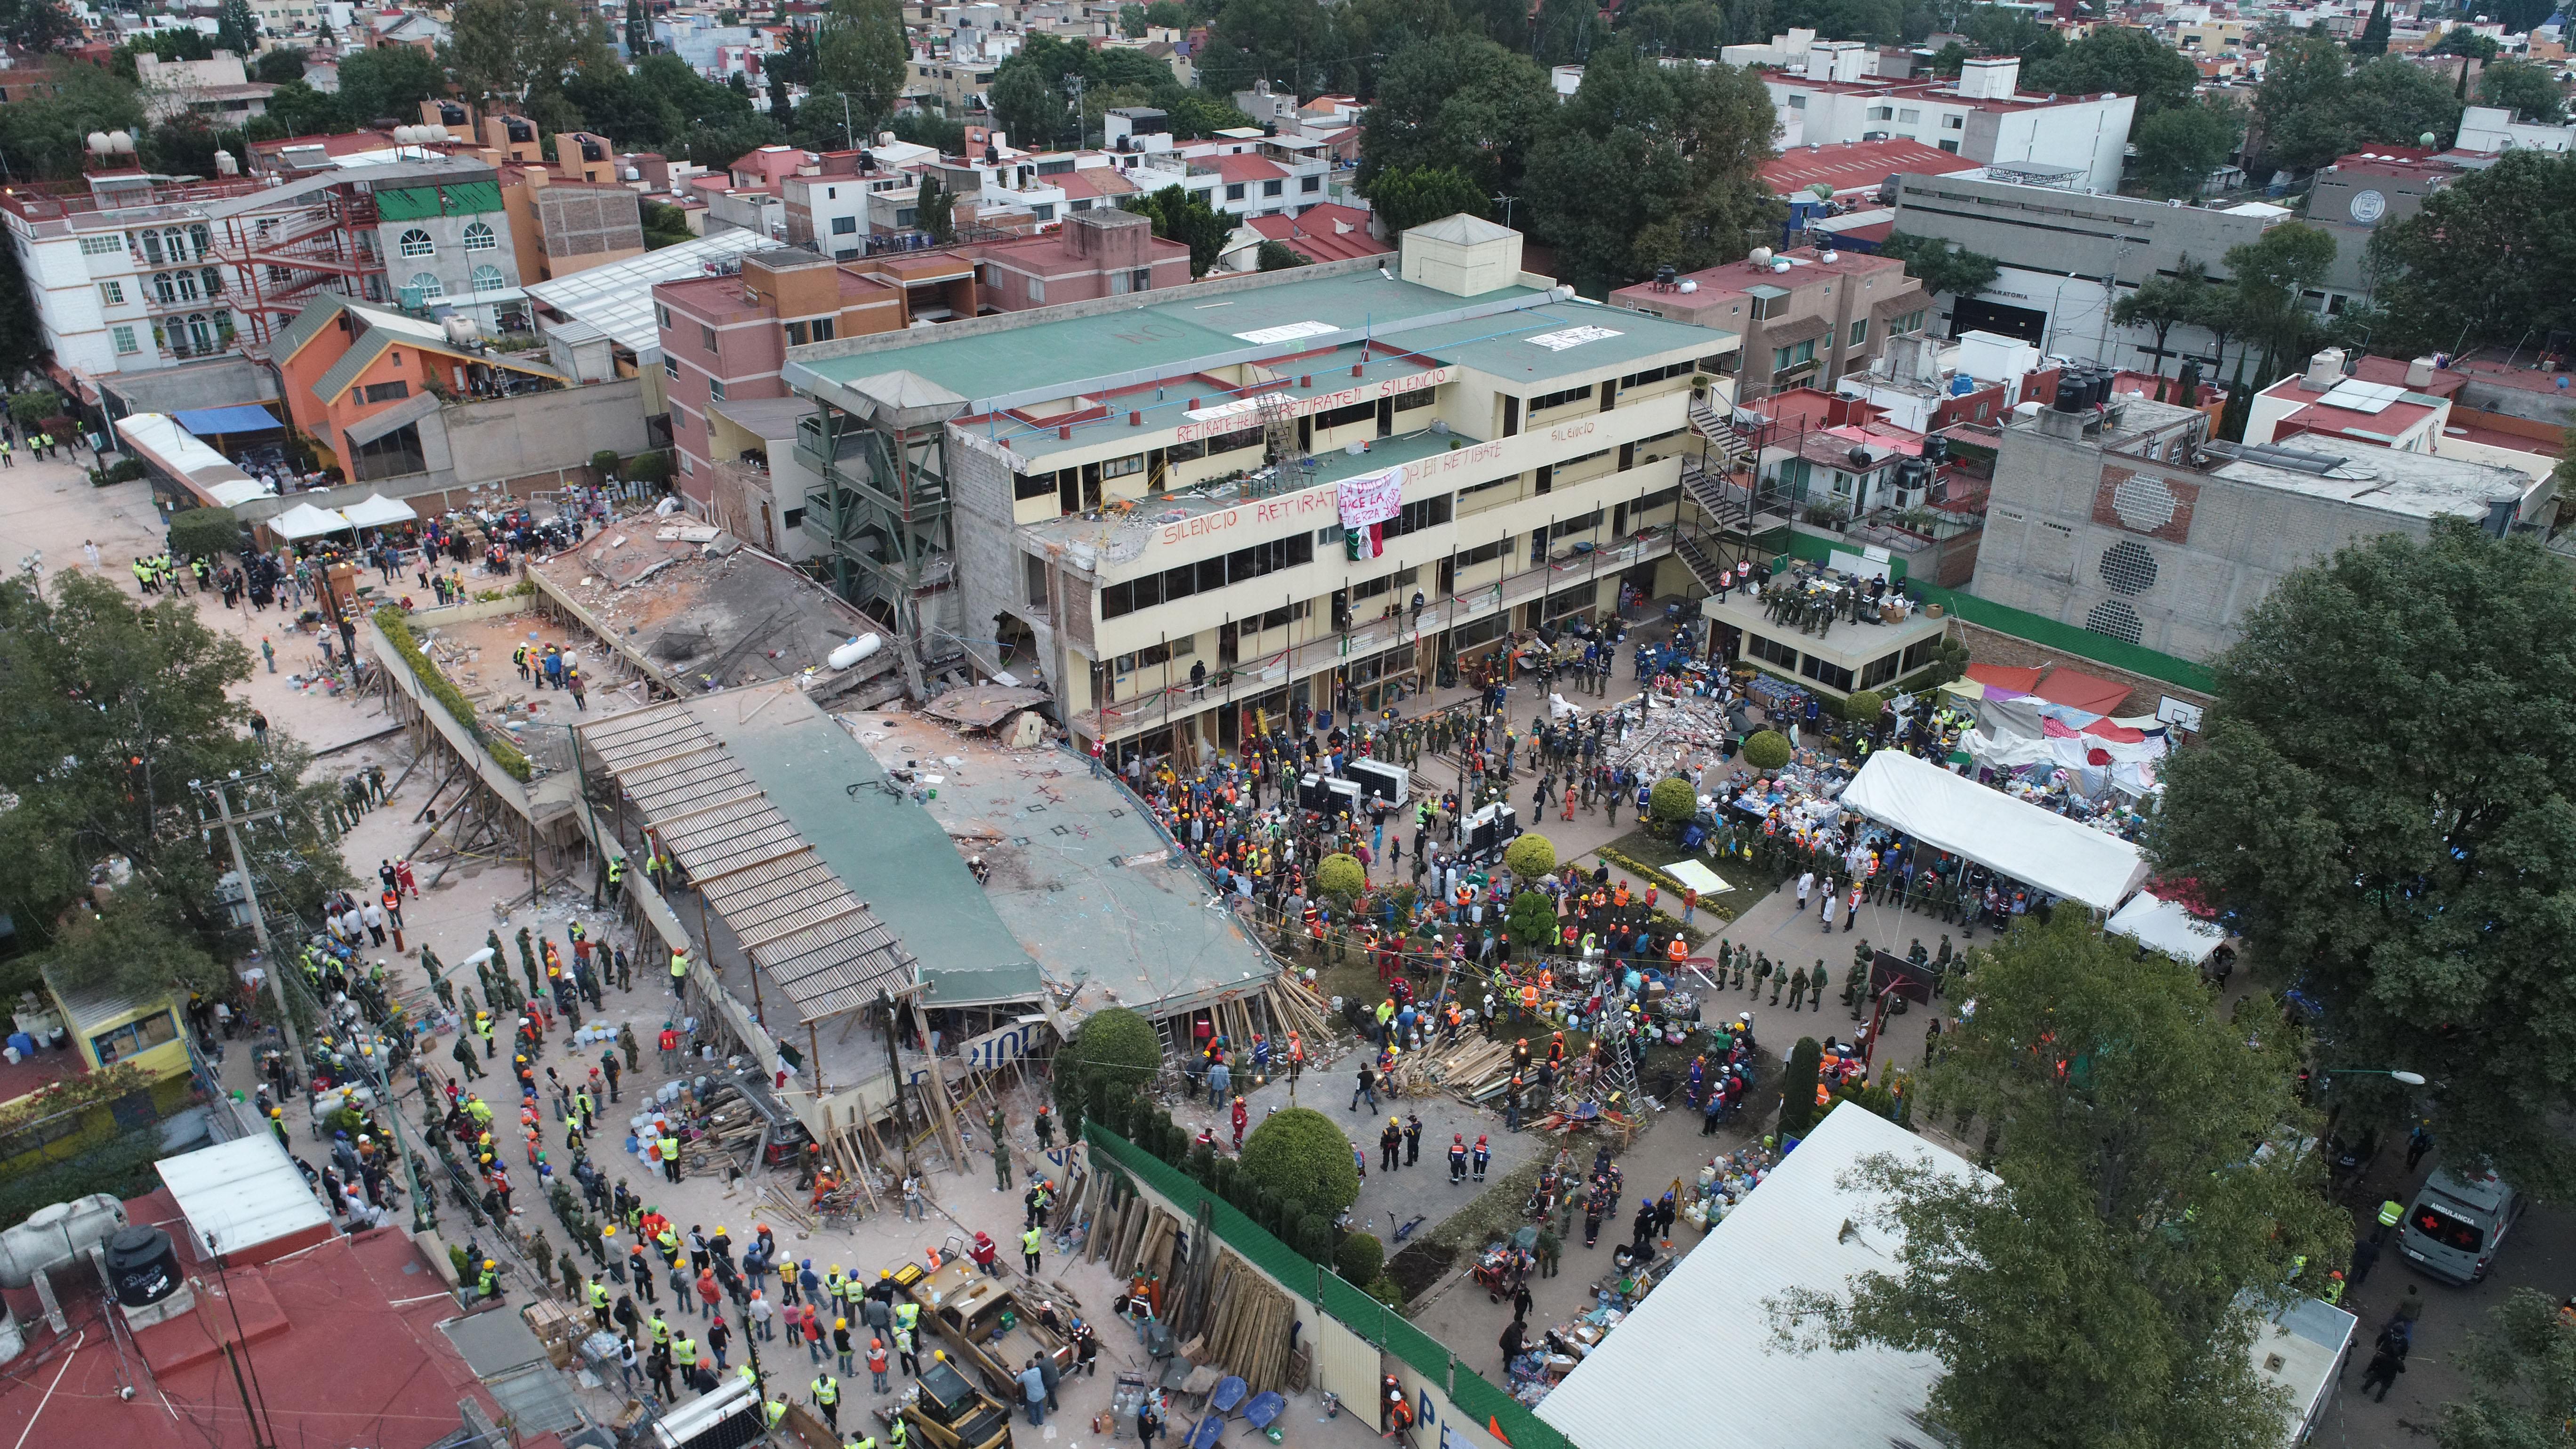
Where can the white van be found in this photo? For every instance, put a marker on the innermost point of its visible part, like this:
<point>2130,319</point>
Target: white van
<point>2456,1225</point>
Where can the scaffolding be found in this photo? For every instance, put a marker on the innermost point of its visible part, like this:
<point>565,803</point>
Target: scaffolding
<point>882,515</point>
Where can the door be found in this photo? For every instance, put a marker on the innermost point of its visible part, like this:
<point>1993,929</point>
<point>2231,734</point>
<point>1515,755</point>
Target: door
<point>1386,417</point>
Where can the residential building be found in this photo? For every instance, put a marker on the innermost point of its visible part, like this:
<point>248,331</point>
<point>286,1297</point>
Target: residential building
<point>2067,256</point>
<point>2416,406</point>
<point>1857,182</point>
<point>404,406</point>
<point>2122,516</point>
<point>1326,233</point>
<point>2492,129</point>
<point>1320,487</point>
<point>80,1031</point>
<point>1983,116</point>
<point>1806,317</point>
<point>1274,176</point>
<point>1099,252</point>
<point>218,91</point>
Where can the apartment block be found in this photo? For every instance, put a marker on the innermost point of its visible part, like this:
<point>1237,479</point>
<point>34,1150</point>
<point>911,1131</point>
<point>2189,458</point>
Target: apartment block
<point>1984,116</point>
<point>1807,317</point>
<point>1323,487</point>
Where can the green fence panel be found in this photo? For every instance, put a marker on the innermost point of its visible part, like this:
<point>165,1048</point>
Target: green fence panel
<point>1372,1320</point>
<point>2055,634</point>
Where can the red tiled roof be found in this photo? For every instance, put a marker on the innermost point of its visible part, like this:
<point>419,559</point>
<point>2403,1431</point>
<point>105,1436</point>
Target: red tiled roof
<point>1858,166</point>
<point>1319,232</point>
<point>1245,168</point>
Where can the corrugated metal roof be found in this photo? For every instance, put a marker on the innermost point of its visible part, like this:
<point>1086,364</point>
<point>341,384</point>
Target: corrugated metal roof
<point>1698,1353</point>
<point>618,298</point>
<point>245,1192</point>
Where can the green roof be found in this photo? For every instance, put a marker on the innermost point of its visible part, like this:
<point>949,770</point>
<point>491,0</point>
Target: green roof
<point>455,198</point>
<point>1172,338</point>
<point>889,851</point>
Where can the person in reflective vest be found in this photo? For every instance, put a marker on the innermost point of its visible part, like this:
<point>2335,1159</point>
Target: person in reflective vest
<point>827,1397</point>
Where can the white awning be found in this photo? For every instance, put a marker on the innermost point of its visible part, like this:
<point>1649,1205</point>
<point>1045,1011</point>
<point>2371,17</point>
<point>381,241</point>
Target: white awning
<point>1698,877</point>
<point>1950,812</point>
<point>231,494</point>
<point>2161,925</point>
<point>306,521</point>
<point>376,510</point>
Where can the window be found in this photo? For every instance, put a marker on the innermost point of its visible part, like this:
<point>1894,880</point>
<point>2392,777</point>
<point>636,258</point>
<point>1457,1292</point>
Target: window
<point>1910,322</point>
<point>664,313</point>
<point>100,246</point>
<point>1037,289</point>
<point>428,285</point>
<point>1878,672</point>
<point>479,238</point>
<point>1950,146</point>
<point>1797,103</point>
<point>488,278</point>
<point>1234,191</point>
<point>1770,651</point>
<point>134,1038</point>
<point>1882,113</point>
<point>1953,123</point>
<point>1243,564</point>
<point>1272,188</point>
<point>1487,553</point>
<point>706,337</point>
<point>797,336</point>
<point>112,293</point>
<point>844,225</point>
<point>124,339</point>
<point>1428,513</point>
<point>1784,358</point>
<point>1141,280</point>
<point>416,243</point>
<point>1909,116</point>
<point>715,388</point>
<point>1310,185</point>
<point>1919,653</point>
<point>1547,400</point>
<point>1860,332</point>
<point>823,329</point>
<point>670,367</point>
<point>394,391</point>
<point>1768,304</point>
<point>1832,676</point>
<point>1358,412</point>
<point>1658,374</point>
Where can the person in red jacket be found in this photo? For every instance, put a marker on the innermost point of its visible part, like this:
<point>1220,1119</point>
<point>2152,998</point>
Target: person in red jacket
<point>987,1257</point>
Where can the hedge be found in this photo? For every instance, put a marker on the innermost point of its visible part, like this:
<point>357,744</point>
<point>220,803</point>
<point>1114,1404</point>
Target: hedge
<point>504,751</point>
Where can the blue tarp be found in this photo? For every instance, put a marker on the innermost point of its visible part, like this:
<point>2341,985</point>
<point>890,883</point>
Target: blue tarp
<point>206,422</point>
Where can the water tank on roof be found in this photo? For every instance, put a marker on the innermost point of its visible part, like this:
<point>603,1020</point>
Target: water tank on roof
<point>142,1266</point>
<point>1961,384</point>
<point>2070,391</point>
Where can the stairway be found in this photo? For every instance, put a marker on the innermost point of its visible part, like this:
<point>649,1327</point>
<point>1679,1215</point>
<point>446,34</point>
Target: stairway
<point>1723,438</point>
<point>1702,567</point>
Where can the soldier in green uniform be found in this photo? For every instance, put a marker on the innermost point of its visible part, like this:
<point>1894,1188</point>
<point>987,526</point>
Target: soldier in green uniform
<point>1761,972</point>
<point>1797,990</point>
<point>1816,980</point>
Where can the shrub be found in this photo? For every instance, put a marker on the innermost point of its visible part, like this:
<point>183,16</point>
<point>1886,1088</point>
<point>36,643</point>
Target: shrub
<point>1341,877</point>
<point>1114,1048</point>
<point>604,463</point>
<point>1360,1258</point>
<point>1673,800</point>
<point>1862,707</point>
<point>1798,1088</point>
<point>503,750</point>
<point>649,467</point>
<point>1530,855</point>
<point>1531,920</point>
<point>1300,1152</point>
<point>1385,1290</point>
<point>1766,750</point>
<point>205,533</point>
<point>127,470</point>
<point>1314,1238</point>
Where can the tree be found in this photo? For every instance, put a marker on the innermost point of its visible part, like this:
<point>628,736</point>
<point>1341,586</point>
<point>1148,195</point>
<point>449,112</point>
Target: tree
<point>934,208</point>
<point>2397,102</point>
<point>2524,89</point>
<point>2465,266</point>
<point>1278,256</point>
<point>2162,303</point>
<point>664,226</point>
<point>113,709</point>
<point>277,67</point>
<point>2300,111</point>
<point>1027,105</point>
<point>205,533</point>
<point>46,134</point>
<point>2460,40</point>
<point>2180,146</point>
<point>1529,856</point>
<point>1409,196</point>
<point>2123,59</point>
<point>390,82</point>
<point>1341,876</point>
<point>861,53</point>
<point>1360,1258</point>
<point>1298,1153</point>
<point>1456,104</point>
<point>1113,1054</point>
<point>527,51</point>
<point>237,29</point>
<point>2140,1145</point>
<point>1766,750</point>
<point>1687,144</point>
<point>1943,269</point>
<point>1183,217</point>
<point>2272,273</point>
<point>2373,39</point>
<point>1132,22</point>
<point>1170,14</point>
<point>1861,707</point>
<point>2523,1378</point>
<point>2215,311</point>
<point>2411,878</point>
<point>1798,1087</point>
<point>1531,920</point>
<point>38,26</point>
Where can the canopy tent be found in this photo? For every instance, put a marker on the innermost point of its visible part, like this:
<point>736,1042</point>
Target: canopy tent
<point>229,495</point>
<point>1697,877</point>
<point>207,422</point>
<point>1994,830</point>
<point>306,521</point>
<point>376,510</point>
<point>2057,686</point>
<point>158,440</point>
<point>2162,925</point>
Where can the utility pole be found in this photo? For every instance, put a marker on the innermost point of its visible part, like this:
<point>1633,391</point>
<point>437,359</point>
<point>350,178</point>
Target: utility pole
<point>218,796</point>
<point>1505,202</point>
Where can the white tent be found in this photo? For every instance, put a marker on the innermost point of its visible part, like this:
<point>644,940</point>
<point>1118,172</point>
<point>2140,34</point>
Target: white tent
<point>239,491</point>
<point>2163,926</point>
<point>1696,1363</point>
<point>1952,813</point>
<point>376,510</point>
<point>306,521</point>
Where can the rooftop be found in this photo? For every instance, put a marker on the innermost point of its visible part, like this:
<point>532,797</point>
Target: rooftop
<point>1080,874</point>
<point>1859,165</point>
<point>1328,232</point>
<point>2387,480</point>
<point>1807,267</point>
<point>617,298</point>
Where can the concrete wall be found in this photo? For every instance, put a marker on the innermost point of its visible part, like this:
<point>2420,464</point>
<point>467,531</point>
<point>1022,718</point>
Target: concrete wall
<point>1991,646</point>
<point>514,437</point>
<point>221,382</point>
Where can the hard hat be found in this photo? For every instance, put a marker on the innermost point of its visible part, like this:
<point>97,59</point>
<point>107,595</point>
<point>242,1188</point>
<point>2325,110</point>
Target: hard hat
<point>488,1263</point>
<point>840,1323</point>
<point>881,1272</point>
